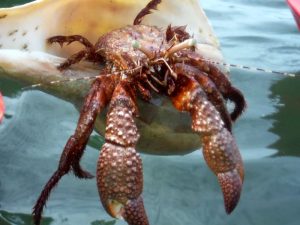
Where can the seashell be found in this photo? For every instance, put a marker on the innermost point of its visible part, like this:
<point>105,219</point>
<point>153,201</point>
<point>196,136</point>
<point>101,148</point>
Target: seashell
<point>26,56</point>
<point>24,30</point>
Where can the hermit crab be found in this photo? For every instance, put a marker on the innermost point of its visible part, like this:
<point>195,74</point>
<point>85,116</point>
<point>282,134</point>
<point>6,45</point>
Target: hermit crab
<point>141,61</point>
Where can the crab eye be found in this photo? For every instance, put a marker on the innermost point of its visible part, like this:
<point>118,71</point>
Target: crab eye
<point>136,44</point>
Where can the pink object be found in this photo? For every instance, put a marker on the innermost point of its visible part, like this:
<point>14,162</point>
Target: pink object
<point>2,107</point>
<point>295,8</point>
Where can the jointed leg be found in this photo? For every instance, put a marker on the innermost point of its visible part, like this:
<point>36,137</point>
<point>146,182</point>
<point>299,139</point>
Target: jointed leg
<point>69,39</point>
<point>221,81</point>
<point>219,147</point>
<point>119,170</point>
<point>73,59</point>
<point>211,91</point>
<point>236,96</point>
<point>94,102</point>
<point>145,11</point>
<point>89,53</point>
<point>228,91</point>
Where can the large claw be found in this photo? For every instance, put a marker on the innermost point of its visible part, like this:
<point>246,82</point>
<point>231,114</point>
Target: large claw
<point>119,170</point>
<point>120,182</point>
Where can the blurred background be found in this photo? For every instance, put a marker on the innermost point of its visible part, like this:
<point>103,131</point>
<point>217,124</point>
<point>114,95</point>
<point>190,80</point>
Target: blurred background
<point>178,189</point>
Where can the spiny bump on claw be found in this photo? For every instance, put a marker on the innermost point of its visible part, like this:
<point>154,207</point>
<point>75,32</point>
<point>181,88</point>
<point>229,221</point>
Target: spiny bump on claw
<point>205,117</point>
<point>231,185</point>
<point>121,128</point>
<point>220,151</point>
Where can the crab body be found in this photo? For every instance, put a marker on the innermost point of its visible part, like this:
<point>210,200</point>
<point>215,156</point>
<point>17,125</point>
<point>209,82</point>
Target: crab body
<point>119,43</point>
<point>141,60</point>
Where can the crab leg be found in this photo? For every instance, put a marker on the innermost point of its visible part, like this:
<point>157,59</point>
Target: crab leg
<point>94,103</point>
<point>88,53</point>
<point>221,81</point>
<point>119,170</point>
<point>219,147</point>
<point>69,39</point>
<point>210,89</point>
<point>152,5</point>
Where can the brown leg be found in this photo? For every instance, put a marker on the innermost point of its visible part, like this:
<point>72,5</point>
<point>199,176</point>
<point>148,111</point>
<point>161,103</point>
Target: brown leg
<point>228,91</point>
<point>73,59</point>
<point>145,11</point>
<point>219,147</point>
<point>69,39</point>
<point>210,89</point>
<point>89,53</point>
<point>94,102</point>
<point>237,97</point>
<point>119,170</point>
<point>222,83</point>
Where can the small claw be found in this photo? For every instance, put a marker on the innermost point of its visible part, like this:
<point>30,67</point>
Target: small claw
<point>231,185</point>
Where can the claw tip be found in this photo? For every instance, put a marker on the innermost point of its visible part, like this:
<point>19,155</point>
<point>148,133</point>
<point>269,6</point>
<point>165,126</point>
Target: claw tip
<point>231,185</point>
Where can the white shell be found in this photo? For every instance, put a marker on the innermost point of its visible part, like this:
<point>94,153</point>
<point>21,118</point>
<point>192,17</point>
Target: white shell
<point>25,55</point>
<point>24,30</point>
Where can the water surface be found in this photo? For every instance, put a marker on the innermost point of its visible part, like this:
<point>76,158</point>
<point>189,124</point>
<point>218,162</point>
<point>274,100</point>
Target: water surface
<point>178,189</point>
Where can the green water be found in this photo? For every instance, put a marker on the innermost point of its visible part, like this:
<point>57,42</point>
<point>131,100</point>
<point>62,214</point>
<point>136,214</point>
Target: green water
<point>179,190</point>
